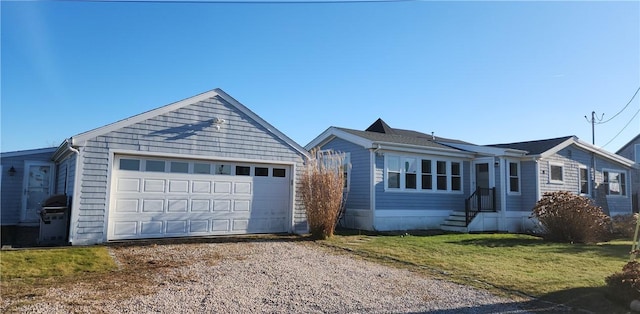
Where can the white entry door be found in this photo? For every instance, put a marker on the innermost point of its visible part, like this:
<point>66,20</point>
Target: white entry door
<point>37,186</point>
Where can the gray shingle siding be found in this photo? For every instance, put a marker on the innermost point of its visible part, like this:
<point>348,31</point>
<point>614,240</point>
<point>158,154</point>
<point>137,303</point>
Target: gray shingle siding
<point>359,188</point>
<point>12,186</point>
<point>529,193</point>
<point>184,131</point>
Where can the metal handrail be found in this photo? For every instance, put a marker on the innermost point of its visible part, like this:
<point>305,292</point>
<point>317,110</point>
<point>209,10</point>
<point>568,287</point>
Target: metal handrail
<point>484,199</point>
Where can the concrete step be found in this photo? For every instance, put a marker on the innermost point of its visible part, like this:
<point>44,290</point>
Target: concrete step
<point>450,222</point>
<point>447,227</point>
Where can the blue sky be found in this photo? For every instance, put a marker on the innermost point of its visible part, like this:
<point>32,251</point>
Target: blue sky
<point>483,72</point>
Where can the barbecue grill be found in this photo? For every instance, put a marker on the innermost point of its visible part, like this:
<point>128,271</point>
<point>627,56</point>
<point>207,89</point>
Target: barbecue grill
<point>54,217</point>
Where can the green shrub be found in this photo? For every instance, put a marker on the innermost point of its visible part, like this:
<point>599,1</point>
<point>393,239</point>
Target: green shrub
<point>624,226</point>
<point>322,191</point>
<point>625,286</point>
<point>566,217</point>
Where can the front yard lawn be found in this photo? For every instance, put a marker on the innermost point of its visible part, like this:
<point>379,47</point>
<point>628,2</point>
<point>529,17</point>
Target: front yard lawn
<point>571,274</point>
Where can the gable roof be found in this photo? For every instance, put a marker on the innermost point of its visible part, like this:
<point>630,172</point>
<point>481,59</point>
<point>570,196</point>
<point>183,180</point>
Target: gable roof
<point>535,147</point>
<point>80,139</point>
<point>547,147</point>
<point>380,133</point>
<point>635,140</point>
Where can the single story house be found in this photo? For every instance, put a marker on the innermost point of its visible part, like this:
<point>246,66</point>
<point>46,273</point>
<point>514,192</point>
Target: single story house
<point>206,165</point>
<point>402,179</point>
<point>631,151</point>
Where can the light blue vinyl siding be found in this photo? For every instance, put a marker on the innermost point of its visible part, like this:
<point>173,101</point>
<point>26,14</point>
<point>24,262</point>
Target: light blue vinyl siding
<point>65,175</point>
<point>12,186</point>
<point>529,193</point>
<point>359,188</point>
<point>418,200</point>
<point>188,131</point>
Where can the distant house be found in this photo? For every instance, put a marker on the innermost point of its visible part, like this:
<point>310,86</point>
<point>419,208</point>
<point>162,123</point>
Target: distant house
<point>402,179</point>
<point>631,151</point>
<point>206,165</point>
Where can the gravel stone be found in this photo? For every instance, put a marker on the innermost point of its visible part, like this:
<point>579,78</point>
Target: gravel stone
<point>273,277</point>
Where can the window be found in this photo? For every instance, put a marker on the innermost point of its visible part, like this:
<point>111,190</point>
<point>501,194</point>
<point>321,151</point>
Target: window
<point>410,169</point>
<point>514,177</point>
<point>393,172</point>
<point>441,171</point>
<point>346,170</point>
<point>155,165</point>
<point>456,177</point>
<point>179,167</point>
<point>279,172</point>
<point>615,183</point>
<point>427,175</point>
<point>584,180</point>
<point>556,173</point>
<point>223,169</point>
<point>130,164</point>
<point>243,170</point>
<point>201,168</point>
<point>261,172</point>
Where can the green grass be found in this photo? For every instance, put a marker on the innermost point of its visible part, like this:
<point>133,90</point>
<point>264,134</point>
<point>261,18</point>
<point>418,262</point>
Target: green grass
<point>46,263</point>
<point>507,262</point>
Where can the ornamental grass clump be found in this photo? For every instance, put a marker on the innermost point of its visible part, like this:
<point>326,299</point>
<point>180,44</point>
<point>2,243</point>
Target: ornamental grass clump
<point>322,192</point>
<point>566,217</point>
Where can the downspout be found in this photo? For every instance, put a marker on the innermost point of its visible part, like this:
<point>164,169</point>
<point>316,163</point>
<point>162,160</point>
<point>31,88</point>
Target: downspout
<point>75,202</point>
<point>372,179</point>
<point>503,195</point>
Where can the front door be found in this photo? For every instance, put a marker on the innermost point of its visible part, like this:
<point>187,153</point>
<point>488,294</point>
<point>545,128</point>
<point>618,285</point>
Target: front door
<point>482,182</point>
<point>37,186</point>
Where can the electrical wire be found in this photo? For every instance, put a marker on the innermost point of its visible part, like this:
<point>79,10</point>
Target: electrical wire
<point>626,125</point>
<point>233,2</point>
<point>625,107</point>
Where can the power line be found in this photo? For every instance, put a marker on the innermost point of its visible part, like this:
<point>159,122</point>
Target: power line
<point>625,126</point>
<point>232,1</point>
<point>625,107</point>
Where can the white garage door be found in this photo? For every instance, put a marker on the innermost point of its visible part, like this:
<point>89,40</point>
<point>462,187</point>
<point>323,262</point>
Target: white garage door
<point>155,197</point>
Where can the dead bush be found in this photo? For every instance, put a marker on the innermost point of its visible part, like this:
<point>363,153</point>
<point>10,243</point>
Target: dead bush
<point>566,217</point>
<point>624,226</point>
<point>322,191</point>
<point>625,285</point>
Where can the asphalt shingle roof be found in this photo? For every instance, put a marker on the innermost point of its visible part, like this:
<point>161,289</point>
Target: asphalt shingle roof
<point>534,147</point>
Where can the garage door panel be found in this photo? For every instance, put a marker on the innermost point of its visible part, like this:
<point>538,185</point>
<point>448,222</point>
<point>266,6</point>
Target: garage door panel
<point>220,225</point>
<point>126,206</point>
<point>201,187</point>
<point>200,205</point>
<point>178,206</point>
<point>178,186</point>
<point>151,227</point>
<point>152,206</point>
<point>176,226</point>
<point>154,185</point>
<point>241,205</point>
<point>165,204</point>
<point>222,187</point>
<point>128,185</point>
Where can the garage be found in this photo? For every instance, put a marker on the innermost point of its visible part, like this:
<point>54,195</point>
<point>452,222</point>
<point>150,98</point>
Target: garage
<point>153,197</point>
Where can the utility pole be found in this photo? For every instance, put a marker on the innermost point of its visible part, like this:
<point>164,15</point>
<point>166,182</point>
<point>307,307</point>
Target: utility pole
<point>592,176</point>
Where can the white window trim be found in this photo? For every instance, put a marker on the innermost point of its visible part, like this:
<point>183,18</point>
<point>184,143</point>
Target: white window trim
<point>519,176</point>
<point>558,164</point>
<point>434,175</point>
<point>626,182</point>
<point>580,180</point>
<point>346,157</point>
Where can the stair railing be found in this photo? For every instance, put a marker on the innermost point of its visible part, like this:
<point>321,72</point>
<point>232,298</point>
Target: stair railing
<point>482,199</point>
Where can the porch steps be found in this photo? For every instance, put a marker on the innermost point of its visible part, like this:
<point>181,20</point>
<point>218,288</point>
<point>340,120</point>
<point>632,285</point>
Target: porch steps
<point>455,222</point>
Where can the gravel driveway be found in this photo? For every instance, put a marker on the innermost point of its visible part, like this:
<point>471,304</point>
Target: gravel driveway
<point>262,277</point>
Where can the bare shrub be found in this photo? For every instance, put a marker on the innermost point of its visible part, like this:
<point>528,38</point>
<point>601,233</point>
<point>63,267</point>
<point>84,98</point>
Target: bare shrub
<point>624,226</point>
<point>625,285</point>
<point>566,217</point>
<point>321,191</point>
